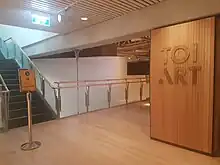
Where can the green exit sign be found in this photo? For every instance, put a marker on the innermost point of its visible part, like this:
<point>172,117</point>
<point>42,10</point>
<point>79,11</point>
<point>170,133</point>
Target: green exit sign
<point>41,20</point>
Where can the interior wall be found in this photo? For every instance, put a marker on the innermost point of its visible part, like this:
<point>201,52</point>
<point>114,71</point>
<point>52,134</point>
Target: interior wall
<point>182,71</point>
<point>90,68</point>
<point>24,36</point>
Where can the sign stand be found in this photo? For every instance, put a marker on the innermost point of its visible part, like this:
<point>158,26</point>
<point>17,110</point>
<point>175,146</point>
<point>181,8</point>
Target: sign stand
<point>28,84</point>
<point>30,145</point>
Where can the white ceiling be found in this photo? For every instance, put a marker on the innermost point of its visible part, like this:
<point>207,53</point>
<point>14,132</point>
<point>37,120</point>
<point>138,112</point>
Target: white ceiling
<point>97,11</point>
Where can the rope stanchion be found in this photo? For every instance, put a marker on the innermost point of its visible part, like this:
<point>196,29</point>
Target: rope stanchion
<point>30,145</point>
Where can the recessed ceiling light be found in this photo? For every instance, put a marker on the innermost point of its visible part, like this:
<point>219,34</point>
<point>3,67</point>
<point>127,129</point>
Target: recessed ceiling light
<point>84,18</point>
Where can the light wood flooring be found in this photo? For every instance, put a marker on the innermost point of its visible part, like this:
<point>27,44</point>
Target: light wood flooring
<point>117,136</point>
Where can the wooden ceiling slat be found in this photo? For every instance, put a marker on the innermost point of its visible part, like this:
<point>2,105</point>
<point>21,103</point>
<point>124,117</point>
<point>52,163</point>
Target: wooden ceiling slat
<point>94,9</point>
<point>138,3</point>
<point>126,4</point>
<point>150,2</point>
<point>103,7</point>
<point>49,3</point>
<point>114,5</point>
<point>88,12</point>
<point>42,5</point>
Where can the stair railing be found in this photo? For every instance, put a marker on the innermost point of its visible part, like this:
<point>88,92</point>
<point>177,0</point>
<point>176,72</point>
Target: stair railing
<point>4,105</point>
<point>14,51</point>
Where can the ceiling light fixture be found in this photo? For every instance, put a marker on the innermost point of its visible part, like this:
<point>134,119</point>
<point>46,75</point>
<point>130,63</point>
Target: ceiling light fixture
<point>84,18</point>
<point>59,17</point>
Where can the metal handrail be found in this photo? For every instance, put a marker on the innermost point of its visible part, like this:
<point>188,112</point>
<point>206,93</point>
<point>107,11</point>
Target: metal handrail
<point>102,84</point>
<point>33,65</point>
<point>4,84</point>
<point>88,81</point>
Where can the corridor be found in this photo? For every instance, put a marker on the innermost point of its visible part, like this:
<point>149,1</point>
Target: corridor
<point>117,136</point>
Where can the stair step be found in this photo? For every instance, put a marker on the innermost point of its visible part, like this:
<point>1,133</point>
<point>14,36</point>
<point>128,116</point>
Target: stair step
<point>13,86</point>
<point>18,98</point>
<point>5,66</point>
<point>9,76</point>
<point>22,112</point>
<point>9,71</point>
<point>11,81</point>
<point>23,121</point>
<point>20,105</point>
<point>15,92</point>
<point>21,97</point>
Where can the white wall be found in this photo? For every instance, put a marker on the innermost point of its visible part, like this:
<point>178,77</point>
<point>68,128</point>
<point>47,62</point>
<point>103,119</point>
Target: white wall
<point>24,36</point>
<point>130,25</point>
<point>91,68</point>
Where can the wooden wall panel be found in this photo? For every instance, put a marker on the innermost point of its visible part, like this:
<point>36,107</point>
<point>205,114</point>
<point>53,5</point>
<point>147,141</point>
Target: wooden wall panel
<point>182,95</point>
<point>216,126</point>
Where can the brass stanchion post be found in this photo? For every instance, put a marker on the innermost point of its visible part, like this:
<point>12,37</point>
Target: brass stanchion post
<point>30,145</point>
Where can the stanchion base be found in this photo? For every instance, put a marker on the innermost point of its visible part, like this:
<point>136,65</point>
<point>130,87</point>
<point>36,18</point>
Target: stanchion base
<point>30,146</point>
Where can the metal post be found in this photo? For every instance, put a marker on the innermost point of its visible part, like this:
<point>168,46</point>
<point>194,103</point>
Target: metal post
<point>7,52</point>
<point>30,145</point>
<point>42,86</point>
<point>141,90</point>
<point>77,52</point>
<point>87,98</point>
<point>58,100</point>
<point>56,103</point>
<point>126,92</point>
<point>109,93</point>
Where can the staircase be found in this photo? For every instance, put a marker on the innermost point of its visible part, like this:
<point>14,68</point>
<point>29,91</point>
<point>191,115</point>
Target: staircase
<point>41,112</point>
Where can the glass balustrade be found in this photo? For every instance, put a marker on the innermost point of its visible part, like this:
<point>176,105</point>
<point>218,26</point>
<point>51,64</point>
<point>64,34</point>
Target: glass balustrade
<point>92,96</point>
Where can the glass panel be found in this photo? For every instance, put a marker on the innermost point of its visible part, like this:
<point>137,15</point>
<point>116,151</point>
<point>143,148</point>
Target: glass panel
<point>38,80</point>
<point>134,92</point>
<point>26,63</point>
<point>98,98</point>
<point>146,91</point>
<point>68,102</point>
<point>50,97</point>
<point>3,48</point>
<point>18,55</point>
<point>118,94</point>
<point>82,106</point>
<point>11,50</point>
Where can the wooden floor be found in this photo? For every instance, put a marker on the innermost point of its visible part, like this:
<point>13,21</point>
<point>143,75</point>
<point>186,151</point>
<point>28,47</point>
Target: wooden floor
<point>118,136</point>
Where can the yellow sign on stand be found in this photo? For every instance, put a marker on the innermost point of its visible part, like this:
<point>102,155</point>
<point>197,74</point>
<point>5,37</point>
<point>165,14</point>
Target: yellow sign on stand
<point>27,80</point>
<point>28,84</point>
